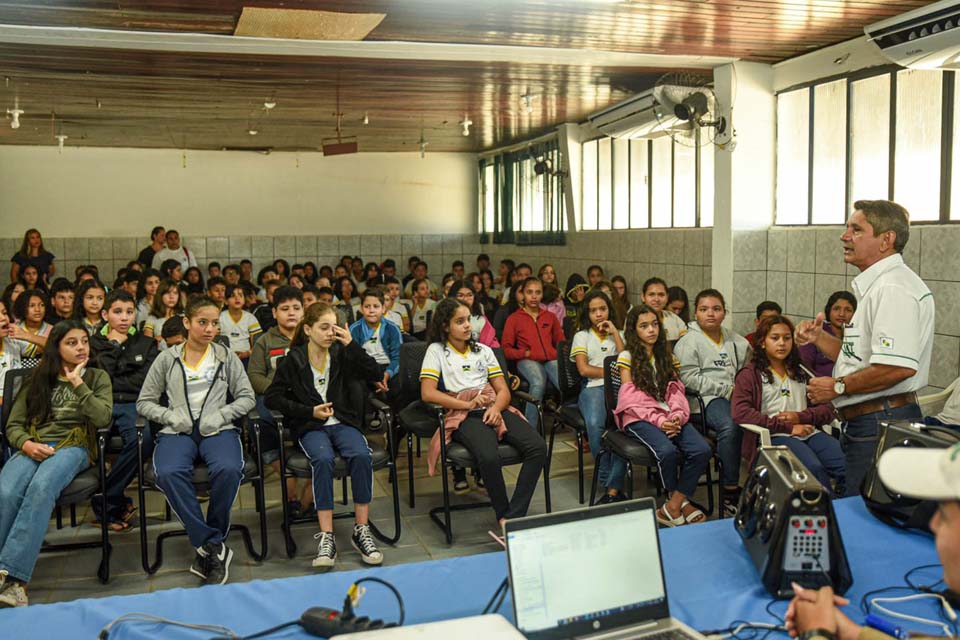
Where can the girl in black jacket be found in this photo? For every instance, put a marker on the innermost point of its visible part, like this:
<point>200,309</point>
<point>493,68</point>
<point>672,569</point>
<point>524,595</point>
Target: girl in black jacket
<point>311,389</point>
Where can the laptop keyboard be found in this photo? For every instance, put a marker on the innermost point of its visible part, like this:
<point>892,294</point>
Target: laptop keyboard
<point>669,634</point>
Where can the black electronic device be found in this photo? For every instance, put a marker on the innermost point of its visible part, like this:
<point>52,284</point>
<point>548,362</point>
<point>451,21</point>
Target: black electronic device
<point>788,526</point>
<point>893,508</point>
<point>327,623</point>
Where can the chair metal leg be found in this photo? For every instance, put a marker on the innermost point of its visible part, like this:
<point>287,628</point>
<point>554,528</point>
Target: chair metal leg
<point>59,515</point>
<point>73,516</point>
<point>629,480</point>
<point>395,483</point>
<point>447,523</point>
<point>580,462</point>
<point>596,475</point>
<point>343,484</point>
<point>410,468</point>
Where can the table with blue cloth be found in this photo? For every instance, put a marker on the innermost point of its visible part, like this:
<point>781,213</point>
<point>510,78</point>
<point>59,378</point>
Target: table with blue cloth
<point>710,579</point>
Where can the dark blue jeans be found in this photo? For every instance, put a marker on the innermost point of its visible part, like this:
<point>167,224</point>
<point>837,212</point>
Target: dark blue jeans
<point>322,447</point>
<point>688,450</point>
<point>173,462</point>
<point>859,441</point>
<point>821,454</point>
<point>729,437</point>
<point>124,468</point>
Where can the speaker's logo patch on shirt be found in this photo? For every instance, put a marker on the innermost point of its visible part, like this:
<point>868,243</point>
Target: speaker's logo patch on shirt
<point>886,343</point>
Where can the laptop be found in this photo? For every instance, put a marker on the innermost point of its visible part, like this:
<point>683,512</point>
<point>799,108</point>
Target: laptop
<point>591,573</point>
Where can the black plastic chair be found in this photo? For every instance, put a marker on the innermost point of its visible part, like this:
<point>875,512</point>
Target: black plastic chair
<point>697,420</point>
<point>252,474</point>
<point>84,486</point>
<point>567,415</point>
<point>420,419</point>
<point>295,464</point>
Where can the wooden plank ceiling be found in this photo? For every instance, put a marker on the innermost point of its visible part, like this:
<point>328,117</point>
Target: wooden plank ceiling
<point>101,97</point>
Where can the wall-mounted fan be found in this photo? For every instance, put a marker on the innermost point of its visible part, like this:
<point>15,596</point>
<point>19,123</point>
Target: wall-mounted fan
<point>687,109</point>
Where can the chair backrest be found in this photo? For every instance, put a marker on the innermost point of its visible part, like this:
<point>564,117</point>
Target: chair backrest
<point>611,386</point>
<point>567,374</point>
<point>12,382</point>
<point>411,361</point>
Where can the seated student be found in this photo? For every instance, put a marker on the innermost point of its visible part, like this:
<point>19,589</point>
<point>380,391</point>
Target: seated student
<point>487,304</point>
<point>295,280</point>
<point>197,422</point>
<point>445,283</point>
<point>166,304</point>
<point>530,340</point>
<point>246,270</point>
<point>356,269</point>
<point>515,302</point>
<point>490,288</point>
<point>263,312</point>
<point>710,357</point>
<point>594,274</point>
<point>478,409</point>
<point>766,309</point>
<point>89,304</point>
<point>504,270</point>
<point>193,281</point>
<point>171,270</point>
<point>250,299</point>
<point>213,269</point>
<point>771,391</point>
<point>370,278</point>
<point>282,267</point>
<point>655,295</point>
<point>61,299</point>
<point>325,294</point>
<point>240,326</point>
<point>10,294</point>
<point>149,284</point>
<point>619,311</point>
<point>553,302</point>
<point>265,275</point>
<point>11,350</point>
<point>838,311</point>
<point>309,293</point>
<point>678,303</point>
<point>30,278</point>
<point>125,355</point>
<point>29,309</point>
<point>310,273</point>
<point>216,291</point>
<point>310,389</point>
<point>130,282</point>
<point>598,339</point>
<point>267,352</point>
<point>422,306</point>
<point>576,289</point>
<point>483,262</point>
<point>397,310</point>
<point>458,270</point>
<point>411,263</point>
<point>231,274</point>
<point>173,332</point>
<point>652,407</point>
<point>346,302</point>
<point>483,331</point>
<point>51,427</point>
<point>622,292</point>
<point>381,340</point>
<point>520,273</point>
<point>420,273</point>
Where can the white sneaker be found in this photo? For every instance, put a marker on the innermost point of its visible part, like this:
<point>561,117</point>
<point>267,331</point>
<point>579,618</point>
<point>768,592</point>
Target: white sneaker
<point>326,550</point>
<point>13,595</point>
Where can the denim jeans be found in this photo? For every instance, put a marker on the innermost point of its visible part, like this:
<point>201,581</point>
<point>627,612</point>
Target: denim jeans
<point>28,492</point>
<point>821,454</point>
<point>124,468</point>
<point>729,437</point>
<point>859,440</point>
<point>536,374</point>
<point>688,447</point>
<point>594,411</point>
<point>322,446</point>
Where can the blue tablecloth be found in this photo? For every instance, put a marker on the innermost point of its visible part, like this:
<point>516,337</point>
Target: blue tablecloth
<point>711,581</point>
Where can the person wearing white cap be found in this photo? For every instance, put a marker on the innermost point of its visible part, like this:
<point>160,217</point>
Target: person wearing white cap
<point>883,358</point>
<point>927,474</point>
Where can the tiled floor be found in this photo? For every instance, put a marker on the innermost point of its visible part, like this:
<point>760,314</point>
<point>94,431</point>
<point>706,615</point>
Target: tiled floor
<point>70,575</point>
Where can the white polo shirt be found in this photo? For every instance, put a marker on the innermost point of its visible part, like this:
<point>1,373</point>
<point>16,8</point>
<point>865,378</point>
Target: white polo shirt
<point>589,344</point>
<point>460,371</point>
<point>893,325</point>
<point>673,325</point>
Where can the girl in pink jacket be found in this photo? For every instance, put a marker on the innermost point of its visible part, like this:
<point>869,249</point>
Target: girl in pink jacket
<point>653,409</point>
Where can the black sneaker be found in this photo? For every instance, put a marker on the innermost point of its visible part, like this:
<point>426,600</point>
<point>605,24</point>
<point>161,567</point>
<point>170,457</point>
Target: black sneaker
<point>460,484</point>
<point>363,542</point>
<point>611,498</point>
<point>326,550</point>
<point>218,562</point>
<point>731,501</point>
<point>293,509</point>
<point>201,565</point>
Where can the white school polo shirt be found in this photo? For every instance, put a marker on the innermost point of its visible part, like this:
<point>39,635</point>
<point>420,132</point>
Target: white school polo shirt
<point>782,394</point>
<point>589,343</point>
<point>460,371</point>
<point>893,325</point>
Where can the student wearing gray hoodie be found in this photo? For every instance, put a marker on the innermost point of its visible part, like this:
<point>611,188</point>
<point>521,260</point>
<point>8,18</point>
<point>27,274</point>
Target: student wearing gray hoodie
<point>710,357</point>
<point>197,422</point>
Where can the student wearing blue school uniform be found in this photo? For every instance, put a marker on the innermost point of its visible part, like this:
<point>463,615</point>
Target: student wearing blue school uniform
<point>380,338</point>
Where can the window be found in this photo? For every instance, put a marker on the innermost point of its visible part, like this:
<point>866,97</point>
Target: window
<point>522,197</point>
<point>916,167</point>
<point>639,183</point>
<point>865,138</point>
<point>793,156</point>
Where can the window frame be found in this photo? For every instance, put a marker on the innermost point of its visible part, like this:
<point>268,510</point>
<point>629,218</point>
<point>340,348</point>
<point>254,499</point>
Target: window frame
<point>949,79</point>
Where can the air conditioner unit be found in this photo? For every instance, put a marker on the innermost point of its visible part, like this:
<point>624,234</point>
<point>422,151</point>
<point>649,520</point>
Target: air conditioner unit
<point>926,38</point>
<point>632,118</point>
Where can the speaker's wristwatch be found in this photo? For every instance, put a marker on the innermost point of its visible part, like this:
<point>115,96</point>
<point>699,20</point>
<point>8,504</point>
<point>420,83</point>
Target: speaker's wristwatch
<point>839,387</point>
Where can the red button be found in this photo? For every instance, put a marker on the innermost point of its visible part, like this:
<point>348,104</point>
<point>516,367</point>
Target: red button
<point>796,524</point>
<point>822,523</point>
<point>809,523</point>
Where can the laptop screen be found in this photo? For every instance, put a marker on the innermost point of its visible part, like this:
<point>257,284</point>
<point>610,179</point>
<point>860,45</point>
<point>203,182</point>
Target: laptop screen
<point>586,572</point>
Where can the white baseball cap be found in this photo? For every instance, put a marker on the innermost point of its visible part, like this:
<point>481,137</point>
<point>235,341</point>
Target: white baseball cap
<point>928,474</point>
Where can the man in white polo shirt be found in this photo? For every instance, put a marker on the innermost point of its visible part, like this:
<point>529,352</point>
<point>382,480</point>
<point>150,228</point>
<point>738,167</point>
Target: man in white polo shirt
<point>884,357</point>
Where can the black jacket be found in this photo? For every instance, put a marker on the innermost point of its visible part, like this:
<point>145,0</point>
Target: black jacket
<point>293,393</point>
<point>126,364</point>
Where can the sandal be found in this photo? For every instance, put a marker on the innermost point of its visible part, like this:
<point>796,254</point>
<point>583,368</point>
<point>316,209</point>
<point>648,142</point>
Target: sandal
<point>665,519</point>
<point>694,516</point>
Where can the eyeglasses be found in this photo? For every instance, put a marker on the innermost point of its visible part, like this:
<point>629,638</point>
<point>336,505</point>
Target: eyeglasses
<point>464,296</point>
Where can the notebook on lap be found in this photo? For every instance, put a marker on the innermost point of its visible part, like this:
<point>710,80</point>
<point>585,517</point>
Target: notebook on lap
<point>591,573</point>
